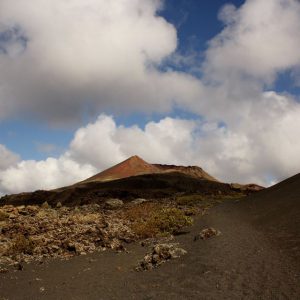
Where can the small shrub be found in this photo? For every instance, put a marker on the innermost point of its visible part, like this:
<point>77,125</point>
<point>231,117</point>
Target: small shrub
<point>3,216</point>
<point>191,211</point>
<point>222,198</point>
<point>141,212</point>
<point>85,219</point>
<point>150,220</point>
<point>45,205</point>
<point>170,220</point>
<point>48,213</point>
<point>189,200</point>
<point>22,244</point>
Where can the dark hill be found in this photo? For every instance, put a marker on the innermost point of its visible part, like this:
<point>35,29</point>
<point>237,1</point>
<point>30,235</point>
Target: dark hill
<point>151,186</point>
<point>276,212</point>
<point>134,178</point>
<point>277,206</point>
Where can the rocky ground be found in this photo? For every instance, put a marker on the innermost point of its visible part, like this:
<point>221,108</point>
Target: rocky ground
<point>235,261</point>
<point>37,233</point>
<point>188,247</point>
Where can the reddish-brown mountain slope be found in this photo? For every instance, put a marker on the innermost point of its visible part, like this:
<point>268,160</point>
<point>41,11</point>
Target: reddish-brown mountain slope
<point>135,166</point>
<point>192,171</point>
<point>132,166</point>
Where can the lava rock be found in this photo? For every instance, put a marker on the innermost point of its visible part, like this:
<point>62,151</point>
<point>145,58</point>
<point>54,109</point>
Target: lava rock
<point>139,201</point>
<point>159,255</point>
<point>207,233</point>
<point>113,204</point>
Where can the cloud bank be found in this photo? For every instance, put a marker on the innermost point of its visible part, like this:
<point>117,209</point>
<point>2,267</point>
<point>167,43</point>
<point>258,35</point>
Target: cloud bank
<point>64,59</point>
<point>86,55</point>
<point>7,158</point>
<point>255,156</point>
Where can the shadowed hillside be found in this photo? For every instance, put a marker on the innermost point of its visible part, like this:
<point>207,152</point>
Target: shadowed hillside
<point>192,171</point>
<point>276,212</point>
<point>149,186</point>
<point>131,179</point>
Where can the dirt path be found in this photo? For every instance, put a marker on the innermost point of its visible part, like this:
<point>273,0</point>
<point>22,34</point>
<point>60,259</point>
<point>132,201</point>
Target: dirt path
<point>241,263</point>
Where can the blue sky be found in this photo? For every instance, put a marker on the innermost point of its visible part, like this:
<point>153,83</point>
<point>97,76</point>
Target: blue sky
<point>196,21</point>
<point>86,84</point>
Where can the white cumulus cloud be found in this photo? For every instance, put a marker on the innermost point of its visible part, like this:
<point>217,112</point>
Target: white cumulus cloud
<point>51,173</point>
<point>7,158</point>
<point>260,39</point>
<point>260,153</point>
<point>64,58</point>
<point>86,56</point>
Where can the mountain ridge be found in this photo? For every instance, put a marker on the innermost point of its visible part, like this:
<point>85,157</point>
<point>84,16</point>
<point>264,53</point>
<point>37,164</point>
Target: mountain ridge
<point>134,166</point>
<point>134,178</point>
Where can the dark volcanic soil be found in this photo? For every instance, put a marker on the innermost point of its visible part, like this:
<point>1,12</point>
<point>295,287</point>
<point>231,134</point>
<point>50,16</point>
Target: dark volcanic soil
<point>247,261</point>
<point>149,186</point>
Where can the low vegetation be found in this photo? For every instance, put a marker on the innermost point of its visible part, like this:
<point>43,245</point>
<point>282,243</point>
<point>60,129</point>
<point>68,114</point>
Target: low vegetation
<point>3,216</point>
<point>204,201</point>
<point>151,219</point>
<point>90,218</point>
<point>189,200</point>
<point>20,245</point>
<point>31,232</point>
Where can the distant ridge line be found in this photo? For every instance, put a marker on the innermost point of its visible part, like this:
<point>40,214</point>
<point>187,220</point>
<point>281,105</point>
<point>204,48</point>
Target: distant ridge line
<point>134,166</point>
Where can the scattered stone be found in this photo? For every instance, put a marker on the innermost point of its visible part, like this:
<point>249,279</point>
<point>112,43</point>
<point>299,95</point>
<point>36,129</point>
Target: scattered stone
<point>3,270</point>
<point>139,201</point>
<point>58,205</point>
<point>42,289</point>
<point>12,216</point>
<point>117,245</point>
<point>159,255</point>
<point>24,212</point>
<point>39,233</point>
<point>113,203</point>
<point>207,233</point>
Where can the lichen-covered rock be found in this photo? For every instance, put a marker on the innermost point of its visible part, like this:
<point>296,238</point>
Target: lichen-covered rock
<point>138,201</point>
<point>113,203</point>
<point>160,253</point>
<point>38,233</point>
<point>168,251</point>
<point>207,233</point>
